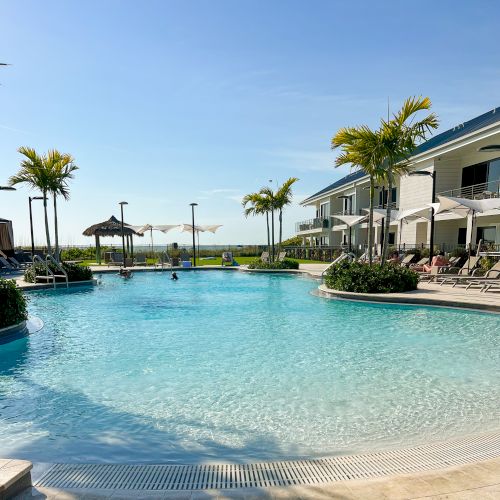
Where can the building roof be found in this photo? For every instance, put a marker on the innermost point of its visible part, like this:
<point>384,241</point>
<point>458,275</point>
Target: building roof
<point>454,133</point>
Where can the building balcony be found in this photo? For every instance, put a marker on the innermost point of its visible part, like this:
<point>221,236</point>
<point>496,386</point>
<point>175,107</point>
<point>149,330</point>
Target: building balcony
<point>481,191</point>
<point>312,225</point>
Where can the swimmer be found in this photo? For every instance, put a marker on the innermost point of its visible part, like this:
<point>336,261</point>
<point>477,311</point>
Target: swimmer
<point>125,273</point>
<point>174,276</point>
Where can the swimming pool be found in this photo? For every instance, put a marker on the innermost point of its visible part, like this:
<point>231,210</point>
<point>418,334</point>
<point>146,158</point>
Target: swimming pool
<point>229,366</point>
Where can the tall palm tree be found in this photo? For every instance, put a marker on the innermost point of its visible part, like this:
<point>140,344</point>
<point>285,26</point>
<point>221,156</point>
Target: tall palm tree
<point>256,204</point>
<point>270,202</point>
<point>34,173</point>
<point>398,137</point>
<point>283,198</point>
<point>360,149</point>
<point>62,166</point>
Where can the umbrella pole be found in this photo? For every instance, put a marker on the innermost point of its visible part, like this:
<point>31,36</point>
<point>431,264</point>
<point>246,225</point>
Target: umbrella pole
<point>152,245</point>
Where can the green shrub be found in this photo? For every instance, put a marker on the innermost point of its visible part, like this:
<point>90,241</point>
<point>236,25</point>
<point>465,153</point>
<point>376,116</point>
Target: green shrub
<point>75,272</point>
<point>294,241</point>
<point>284,264</point>
<point>361,278</point>
<point>12,304</point>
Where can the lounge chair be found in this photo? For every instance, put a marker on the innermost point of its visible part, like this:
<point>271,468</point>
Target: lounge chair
<point>7,266</point>
<point>443,272</point>
<point>140,260</point>
<point>116,259</point>
<point>407,259</point>
<point>489,277</point>
<point>420,264</point>
<point>227,258</point>
<point>281,256</point>
<point>264,257</point>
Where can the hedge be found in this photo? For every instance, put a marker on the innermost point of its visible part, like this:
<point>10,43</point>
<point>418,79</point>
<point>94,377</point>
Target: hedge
<point>284,264</point>
<point>75,272</point>
<point>13,304</point>
<point>362,278</point>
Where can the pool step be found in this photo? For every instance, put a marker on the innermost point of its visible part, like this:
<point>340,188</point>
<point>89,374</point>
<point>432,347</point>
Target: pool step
<point>15,476</point>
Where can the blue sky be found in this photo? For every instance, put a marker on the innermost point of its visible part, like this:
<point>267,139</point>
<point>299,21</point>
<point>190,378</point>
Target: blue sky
<point>165,103</point>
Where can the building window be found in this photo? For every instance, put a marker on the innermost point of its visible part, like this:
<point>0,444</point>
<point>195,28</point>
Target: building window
<point>392,238</point>
<point>324,210</point>
<point>462,236</point>
<point>487,234</point>
<point>382,197</point>
<point>480,173</point>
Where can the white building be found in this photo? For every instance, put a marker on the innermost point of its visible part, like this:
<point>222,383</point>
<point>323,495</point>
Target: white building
<point>466,163</point>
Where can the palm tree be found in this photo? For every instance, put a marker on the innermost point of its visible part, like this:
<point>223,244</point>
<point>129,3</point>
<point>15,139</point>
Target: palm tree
<point>34,173</point>
<point>283,198</point>
<point>62,165</point>
<point>270,202</point>
<point>50,174</point>
<point>360,149</point>
<point>259,205</point>
<point>397,139</point>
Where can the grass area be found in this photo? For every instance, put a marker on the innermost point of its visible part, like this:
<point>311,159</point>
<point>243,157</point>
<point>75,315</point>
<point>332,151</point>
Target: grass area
<point>212,262</point>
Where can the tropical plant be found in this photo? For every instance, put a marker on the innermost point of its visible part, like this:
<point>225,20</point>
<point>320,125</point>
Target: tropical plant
<point>62,167</point>
<point>36,176</point>
<point>14,304</point>
<point>283,264</point>
<point>258,204</point>
<point>360,278</point>
<point>397,139</point>
<point>75,272</point>
<point>283,198</point>
<point>360,149</point>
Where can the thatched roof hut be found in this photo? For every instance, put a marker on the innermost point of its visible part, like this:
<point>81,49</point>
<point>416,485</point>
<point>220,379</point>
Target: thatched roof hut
<point>111,227</point>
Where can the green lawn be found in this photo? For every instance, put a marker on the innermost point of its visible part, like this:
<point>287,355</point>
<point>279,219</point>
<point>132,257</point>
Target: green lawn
<point>214,262</point>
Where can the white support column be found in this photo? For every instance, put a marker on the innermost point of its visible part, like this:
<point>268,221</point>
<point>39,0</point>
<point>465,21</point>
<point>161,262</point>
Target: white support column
<point>497,234</point>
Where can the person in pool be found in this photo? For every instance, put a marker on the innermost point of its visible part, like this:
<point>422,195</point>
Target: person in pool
<point>174,276</point>
<point>125,273</point>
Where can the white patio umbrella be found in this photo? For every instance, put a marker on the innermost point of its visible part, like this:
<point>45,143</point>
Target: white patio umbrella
<point>188,228</point>
<point>165,228</point>
<point>467,208</point>
<point>413,215</point>
<point>351,220</point>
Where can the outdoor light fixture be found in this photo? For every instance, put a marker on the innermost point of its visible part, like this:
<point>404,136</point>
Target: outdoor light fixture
<point>31,198</point>
<point>194,240</point>
<point>489,148</point>
<point>433,176</point>
<point>123,233</point>
<point>7,188</point>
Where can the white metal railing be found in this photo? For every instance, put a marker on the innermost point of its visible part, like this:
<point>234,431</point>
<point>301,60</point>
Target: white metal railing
<point>490,189</point>
<point>340,258</point>
<point>316,223</point>
<point>49,259</point>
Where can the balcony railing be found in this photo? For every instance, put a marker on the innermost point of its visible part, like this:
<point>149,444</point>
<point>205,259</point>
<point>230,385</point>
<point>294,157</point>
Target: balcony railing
<point>307,225</point>
<point>489,189</point>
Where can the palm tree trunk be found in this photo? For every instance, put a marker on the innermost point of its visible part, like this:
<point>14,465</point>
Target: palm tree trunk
<point>272,235</point>
<point>47,232</point>
<point>370,221</point>
<point>385,249</point>
<point>281,230</point>
<point>56,230</point>
<point>268,235</point>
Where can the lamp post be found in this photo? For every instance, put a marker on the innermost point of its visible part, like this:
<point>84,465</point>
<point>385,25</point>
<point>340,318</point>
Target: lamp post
<point>433,176</point>
<point>123,234</point>
<point>31,198</point>
<point>194,239</point>
<point>349,198</point>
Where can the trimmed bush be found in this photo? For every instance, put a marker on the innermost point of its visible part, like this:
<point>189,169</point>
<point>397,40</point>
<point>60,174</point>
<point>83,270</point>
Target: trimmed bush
<point>12,304</point>
<point>75,272</point>
<point>284,264</point>
<point>361,278</point>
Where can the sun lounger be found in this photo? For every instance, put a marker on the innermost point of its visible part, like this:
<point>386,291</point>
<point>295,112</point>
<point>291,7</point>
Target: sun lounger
<point>281,256</point>
<point>6,265</point>
<point>116,259</point>
<point>466,270</point>
<point>420,264</point>
<point>264,257</point>
<point>140,260</point>
<point>475,279</point>
<point>407,259</point>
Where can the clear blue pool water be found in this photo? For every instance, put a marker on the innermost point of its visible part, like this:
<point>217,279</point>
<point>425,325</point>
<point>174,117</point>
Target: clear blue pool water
<point>232,366</point>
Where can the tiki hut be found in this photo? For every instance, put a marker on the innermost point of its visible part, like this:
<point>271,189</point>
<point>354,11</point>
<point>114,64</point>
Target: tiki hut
<point>111,227</point>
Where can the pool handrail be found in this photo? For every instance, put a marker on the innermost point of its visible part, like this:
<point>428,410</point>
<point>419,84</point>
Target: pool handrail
<point>340,258</point>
